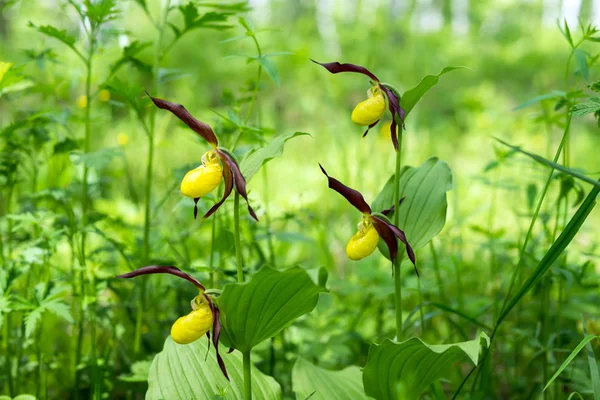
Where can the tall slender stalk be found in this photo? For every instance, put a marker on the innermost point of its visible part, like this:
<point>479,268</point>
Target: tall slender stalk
<point>396,264</point>
<point>247,375</point>
<point>158,55</point>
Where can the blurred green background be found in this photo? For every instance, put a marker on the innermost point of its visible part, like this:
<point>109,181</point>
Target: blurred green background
<point>514,51</point>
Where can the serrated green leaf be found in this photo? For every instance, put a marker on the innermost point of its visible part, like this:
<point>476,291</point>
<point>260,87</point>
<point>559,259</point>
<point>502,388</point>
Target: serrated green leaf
<point>412,96</point>
<point>256,158</point>
<point>326,385</point>
<point>190,371</point>
<point>53,32</point>
<point>413,365</point>
<point>32,320</point>
<point>423,210</point>
<point>260,308</point>
<point>60,309</point>
<point>581,109</point>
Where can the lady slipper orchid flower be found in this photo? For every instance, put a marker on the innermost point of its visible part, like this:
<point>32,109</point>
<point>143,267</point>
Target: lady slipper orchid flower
<point>203,316</point>
<point>217,164</point>
<point>369,112</point>
<point>372,226</point>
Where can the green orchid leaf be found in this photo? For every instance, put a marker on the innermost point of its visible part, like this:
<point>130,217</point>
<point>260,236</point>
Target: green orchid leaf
<point>260,308</point>
<point>423,210</point>
<point>256,158</point>
<point>308,379</point>
<point>412,96</point>
<point>190,371</point>
<point>408,368</point>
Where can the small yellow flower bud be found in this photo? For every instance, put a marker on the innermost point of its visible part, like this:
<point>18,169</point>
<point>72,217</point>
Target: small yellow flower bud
<point>122,139</point>
<point>204,179</point>
<point>82,101</point>
<point>364,242</point>
<point>104,95</point>
<point>371,110</point>
<point>194,325</point>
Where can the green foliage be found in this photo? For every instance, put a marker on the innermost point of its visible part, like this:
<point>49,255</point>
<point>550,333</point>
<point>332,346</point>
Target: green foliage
<point>409,367</point>
<point>311,381</point>
<point>256,158</point>
<point>423,210</point>
<point>411,97</point>
<point>270,301</point>
<point>190,371</point>
<point>587,339</point>
<point>553,165</point>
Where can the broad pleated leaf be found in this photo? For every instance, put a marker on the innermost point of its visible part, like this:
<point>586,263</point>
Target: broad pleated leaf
<point>423,210</point>
<point>412,96</point>
<point>190,371</point>
<point>257,310</point>
<point>255,159</point>
<point>326,385</point>
<point>404,370</point>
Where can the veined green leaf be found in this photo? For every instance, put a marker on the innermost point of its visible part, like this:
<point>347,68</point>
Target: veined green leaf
<point>411,366</point>
<point>581,109</point>
<point>260,308</point>
<point>326,385</point>
<point>190,371</point>
<point>423,210</point>
<point>256,158</point>
<point>412,96</point>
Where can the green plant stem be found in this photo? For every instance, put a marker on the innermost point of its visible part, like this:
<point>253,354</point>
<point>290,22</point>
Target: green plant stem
<point>268,218</point>
<point>238,244</point>
<point>146,256</point>
<point>396,264</point>
<point>247,375</point>
<point>516,271</point>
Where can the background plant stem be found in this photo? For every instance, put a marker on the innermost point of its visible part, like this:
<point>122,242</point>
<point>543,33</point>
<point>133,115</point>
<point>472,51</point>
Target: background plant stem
<point>247,375</point>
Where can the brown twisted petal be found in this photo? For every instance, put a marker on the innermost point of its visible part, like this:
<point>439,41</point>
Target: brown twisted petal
<point>238,178</point>
<point>228,178</point>
<point>396,110</point>
<point>180,112</point>
<point>159,269</point>
<point>215,338</point>
<point>354,197</point>
<point>397,233</point>
<point>387,235</point>
<point>336,67</point>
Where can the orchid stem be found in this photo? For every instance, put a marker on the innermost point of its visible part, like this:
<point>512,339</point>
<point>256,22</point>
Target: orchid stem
<point>238,245</point>
<point>398,261</point>
<point>247,375</point>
